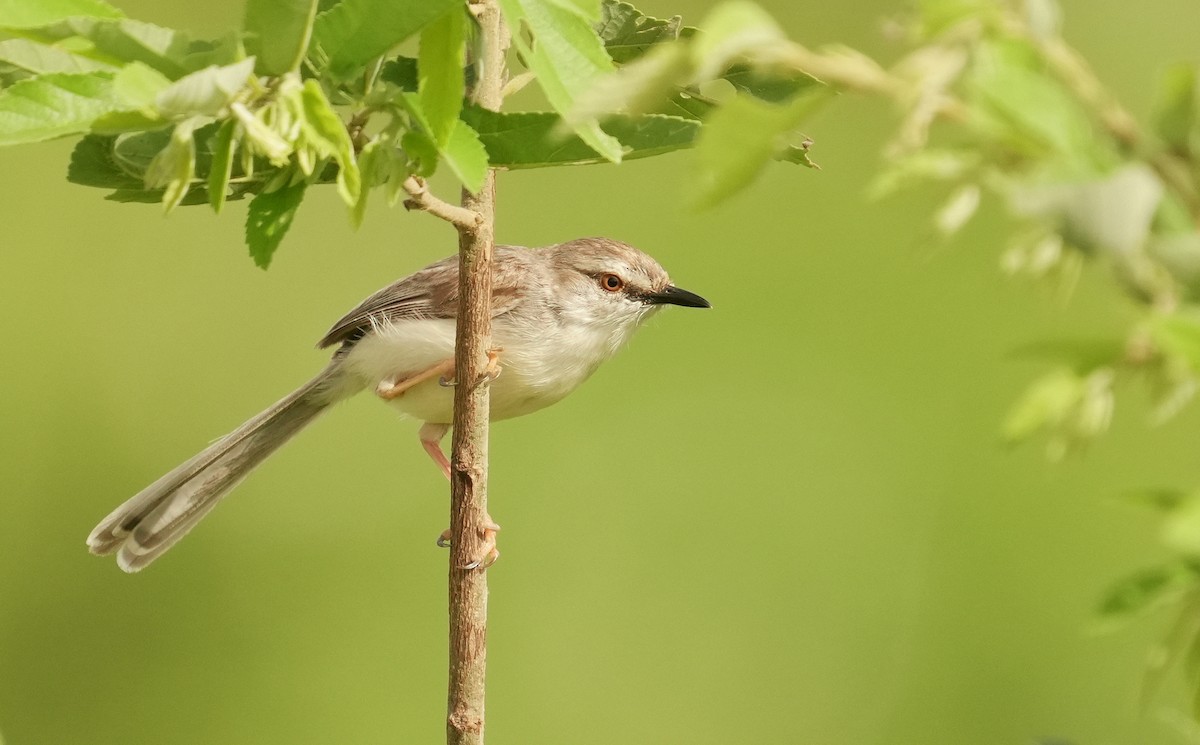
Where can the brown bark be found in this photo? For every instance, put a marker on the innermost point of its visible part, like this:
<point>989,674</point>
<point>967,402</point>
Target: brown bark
<point>469,458</point>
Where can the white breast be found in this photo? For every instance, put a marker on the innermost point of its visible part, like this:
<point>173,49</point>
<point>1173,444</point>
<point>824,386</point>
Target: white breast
<point>539,364</point>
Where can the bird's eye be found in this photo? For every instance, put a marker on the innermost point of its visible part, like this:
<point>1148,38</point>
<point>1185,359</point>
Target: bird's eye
<point>611,282</point>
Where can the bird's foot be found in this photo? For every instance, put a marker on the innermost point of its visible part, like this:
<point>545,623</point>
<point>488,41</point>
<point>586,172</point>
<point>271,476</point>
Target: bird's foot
<point>389,389</point>
<point>488,553</point>
<point>492,369</point>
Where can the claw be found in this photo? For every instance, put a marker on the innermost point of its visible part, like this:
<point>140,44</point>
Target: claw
<point>390,389</point>
<point>492,369</point>
<point>488,553</point>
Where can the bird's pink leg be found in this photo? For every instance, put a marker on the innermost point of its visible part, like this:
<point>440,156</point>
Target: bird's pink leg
<point>431,439</point>
<point>389,389</point>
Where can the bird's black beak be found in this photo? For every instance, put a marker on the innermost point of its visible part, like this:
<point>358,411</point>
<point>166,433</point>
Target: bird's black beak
<point>673,295</point>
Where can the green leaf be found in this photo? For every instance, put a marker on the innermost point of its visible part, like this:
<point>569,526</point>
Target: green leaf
<point>466,156</point>
<point>1144,591</point>
<point>222,165</point>
<point>776,86</point>
<point>1178,643</point>
<point>372,162</point>
<point>1175,115</point>
<point>441,84</point>
<point>205,92</point>
<point>138,86</point>
<point>531,139</point>
<point>351,33</point>
<point>740,138</point>
<point>1181,527</point>
<point>401,72</point>
<point>627,33</point>
<point>277,33</point>
<point>566,56</point>
<point>268,219</point>
<point>1083,355</point>
<point>1164,499</point>
<point>1017,101</point>
<point>122,41</point>
<point>640,87</point>
<point>735,31</point>
<point>93,164</point>
<point>1178,335</point>
<point>327,132</point>
<point>55,105</point>
<point>22,14</point>
<point>421,151</point>
<point>120,163</point>
<point>1047,402</point>
<point>40,58</point>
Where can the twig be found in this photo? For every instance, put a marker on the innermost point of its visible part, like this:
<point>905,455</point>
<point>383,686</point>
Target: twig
<point>468,484</point>
<point>420,198</point>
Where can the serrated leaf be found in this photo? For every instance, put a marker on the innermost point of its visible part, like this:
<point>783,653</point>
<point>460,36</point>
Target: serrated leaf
<point>530,139</point>
<point>466,156</point>
<point>278,32</point>
<point>739,138</point>
<point>441,84</point>
<point>268,219</point>
<point>1175,114</point>
<point>23,14</point>
<point>221,167</point>
<point>205,92</point>
<point>55,105</point>
<point>566,56</point>
<point>355,31</point>
<point>327,132</point>
<point>628,33</point>
<point>41,58</point>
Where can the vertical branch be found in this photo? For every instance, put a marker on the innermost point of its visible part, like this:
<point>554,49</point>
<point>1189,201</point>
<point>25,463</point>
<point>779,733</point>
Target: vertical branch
<point>468,500</point>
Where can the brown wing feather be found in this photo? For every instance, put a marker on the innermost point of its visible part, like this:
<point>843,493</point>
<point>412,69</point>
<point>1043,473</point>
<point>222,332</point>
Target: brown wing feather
<point>431,292</point>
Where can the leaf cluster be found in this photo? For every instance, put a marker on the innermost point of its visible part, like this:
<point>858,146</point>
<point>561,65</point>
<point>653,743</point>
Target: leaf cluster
<point>311,93</point>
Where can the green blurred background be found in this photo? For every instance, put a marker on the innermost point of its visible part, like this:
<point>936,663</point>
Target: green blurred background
<point>787,519</point>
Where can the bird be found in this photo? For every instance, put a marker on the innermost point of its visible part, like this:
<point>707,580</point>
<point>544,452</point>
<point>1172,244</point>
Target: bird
<point>558,312</point>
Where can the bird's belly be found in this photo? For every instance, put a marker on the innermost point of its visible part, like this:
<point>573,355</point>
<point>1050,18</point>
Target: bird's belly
<point>527,382</point>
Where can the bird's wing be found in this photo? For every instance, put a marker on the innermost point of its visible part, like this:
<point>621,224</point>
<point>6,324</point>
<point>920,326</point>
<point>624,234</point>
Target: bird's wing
<point>429,293</point>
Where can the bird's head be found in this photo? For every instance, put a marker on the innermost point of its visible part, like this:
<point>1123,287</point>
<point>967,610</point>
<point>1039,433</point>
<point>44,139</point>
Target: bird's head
<point>609,282</point>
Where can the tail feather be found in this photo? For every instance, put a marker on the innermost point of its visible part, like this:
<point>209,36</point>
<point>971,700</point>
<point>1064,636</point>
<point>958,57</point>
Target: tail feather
<point>152,521</point>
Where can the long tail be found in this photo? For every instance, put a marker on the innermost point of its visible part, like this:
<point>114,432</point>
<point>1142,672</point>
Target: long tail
<point>143,528</point>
